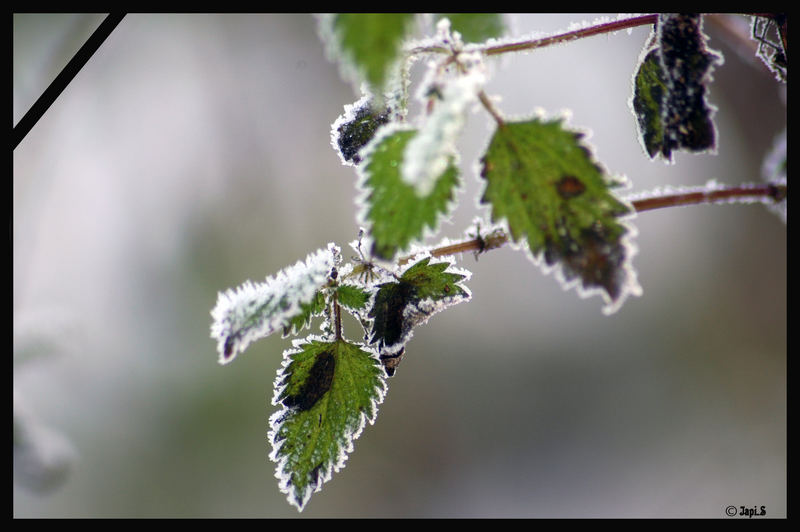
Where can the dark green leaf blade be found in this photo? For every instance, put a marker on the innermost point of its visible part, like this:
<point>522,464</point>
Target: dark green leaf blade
<point>648,99</point>
<point>328,391</point>
<point>315,307</point>
<point>352,297</point>
<point>356,127</point>
<point>395,214</point>
<point>371,42</point>
<point>420,292</point>
<point>542,180</point>
<point>671,88</point>
<point>475,27</point>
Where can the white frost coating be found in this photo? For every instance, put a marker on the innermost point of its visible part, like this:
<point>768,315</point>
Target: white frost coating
<point>364,191</point>
<point>428,154</point>
<point>345,446</point>
<point>255,310</point>
<point>349,115</point>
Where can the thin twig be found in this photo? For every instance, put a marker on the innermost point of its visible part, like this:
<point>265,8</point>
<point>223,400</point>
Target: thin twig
<point>572,35</point>
<point>723,195</point>
<point>775,192</point>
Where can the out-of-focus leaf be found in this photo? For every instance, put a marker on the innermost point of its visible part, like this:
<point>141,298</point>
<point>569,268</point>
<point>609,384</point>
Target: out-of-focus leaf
<point>371,42</point>
<point>475,27</point>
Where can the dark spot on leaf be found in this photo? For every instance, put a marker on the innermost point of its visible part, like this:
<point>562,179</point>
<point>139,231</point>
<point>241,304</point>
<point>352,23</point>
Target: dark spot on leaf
<point>390,301</point>
<point>316,385</point>
<point>228,349</point>
<point>570,187</point>
<point>315,473</point>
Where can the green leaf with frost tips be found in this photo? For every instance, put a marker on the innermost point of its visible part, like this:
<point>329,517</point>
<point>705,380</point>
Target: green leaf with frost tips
<point>372,41</point>
<point>328,391</point>
<point>475,27</point>
<point>423,290</point>
<point>352,297</point>
<point>670,89</point>
<point>307,311</point>
<point>544,182</point>
<point>392,209</point>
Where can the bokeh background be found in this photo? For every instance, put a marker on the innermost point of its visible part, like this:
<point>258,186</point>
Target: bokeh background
<point>193,152</point>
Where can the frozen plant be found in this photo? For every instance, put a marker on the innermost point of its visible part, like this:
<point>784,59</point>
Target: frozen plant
<point>545,192</point>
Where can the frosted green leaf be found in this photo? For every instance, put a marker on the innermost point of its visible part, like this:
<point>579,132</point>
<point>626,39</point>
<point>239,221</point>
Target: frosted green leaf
<point>371,42</point>
<point>649,90</point>
<point>475,27</point>
<point>352,297</point>
<point>670,89</point>
<point>315,307</point>
<point>255,310</point>
<point>395,214</point>
<point>433,148</point>
<point>327,391</point>
<point>423,290</point>
<point>557,199</point>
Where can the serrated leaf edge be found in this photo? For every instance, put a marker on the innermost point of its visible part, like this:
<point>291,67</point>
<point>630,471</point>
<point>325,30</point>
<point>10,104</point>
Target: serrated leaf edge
<point>429,306</point>
<point>363,190</point>
<point>631,287</point>
<point>345,448</point>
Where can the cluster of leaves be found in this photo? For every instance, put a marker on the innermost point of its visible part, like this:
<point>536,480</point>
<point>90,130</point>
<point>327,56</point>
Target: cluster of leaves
<point>329,387</point>
<point>545,193</point>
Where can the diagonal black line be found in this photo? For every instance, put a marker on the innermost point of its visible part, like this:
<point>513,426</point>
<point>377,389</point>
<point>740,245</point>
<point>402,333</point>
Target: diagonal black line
<point>65,77</point>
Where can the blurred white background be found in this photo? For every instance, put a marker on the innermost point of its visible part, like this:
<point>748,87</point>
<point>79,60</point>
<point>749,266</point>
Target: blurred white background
<point>193,152</point>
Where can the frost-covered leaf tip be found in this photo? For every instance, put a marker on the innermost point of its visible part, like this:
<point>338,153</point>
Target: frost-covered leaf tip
<point>328,391</point>
<point>255,310</point>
